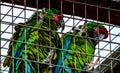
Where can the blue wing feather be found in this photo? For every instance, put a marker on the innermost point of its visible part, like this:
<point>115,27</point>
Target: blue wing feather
<point>66,42</point>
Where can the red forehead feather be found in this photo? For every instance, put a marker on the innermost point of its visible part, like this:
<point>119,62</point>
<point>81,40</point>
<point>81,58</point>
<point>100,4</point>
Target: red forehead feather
<point>57,17</point>
<point>60,16</point>
<point>104,31</point>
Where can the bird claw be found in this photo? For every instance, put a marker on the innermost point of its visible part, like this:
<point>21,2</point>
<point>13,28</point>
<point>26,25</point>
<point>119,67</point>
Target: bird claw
<point>89,66</point>
<point>49,57</point>
<point>81,30</point>
<point>50,66</point>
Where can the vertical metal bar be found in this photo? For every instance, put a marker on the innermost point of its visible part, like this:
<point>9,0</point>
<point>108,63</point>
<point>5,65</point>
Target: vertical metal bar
<point>85,11</point>
<point>0,39</point>
<point>61,6</point>
<point>62,43</point>
<point>38,65</point>
<point>110,40</point>
<point>86,52</point>
<point>49,36</point>
<point>74,36</point>
<point>98,59</point>
<point>13,58</point>
<point>25,36</point>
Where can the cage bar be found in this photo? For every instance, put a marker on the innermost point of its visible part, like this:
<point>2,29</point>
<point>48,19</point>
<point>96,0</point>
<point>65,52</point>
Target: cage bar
<point>13,12</point>
<point>79,8</point>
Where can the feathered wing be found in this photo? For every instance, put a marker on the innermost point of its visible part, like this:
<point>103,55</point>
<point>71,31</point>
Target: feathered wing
<point>62,54</point>
<point>30,44</point>
<point>74,54</point>
<point>14,37</point>
<point>77,50</point>
<point>17,48</point>
<point>81,51</point>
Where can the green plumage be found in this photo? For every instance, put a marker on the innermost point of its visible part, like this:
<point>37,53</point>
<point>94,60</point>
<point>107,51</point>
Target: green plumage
<point>78,50</point>
<point>31,43</point>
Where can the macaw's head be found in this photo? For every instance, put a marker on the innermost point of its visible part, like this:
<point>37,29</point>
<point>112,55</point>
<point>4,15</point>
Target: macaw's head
<point>96,31</point>
<point>52,16</point>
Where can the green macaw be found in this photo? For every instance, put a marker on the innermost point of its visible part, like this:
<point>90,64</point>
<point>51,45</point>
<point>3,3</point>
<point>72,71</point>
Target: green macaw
<point>31,46</point>
<point>78,48</point>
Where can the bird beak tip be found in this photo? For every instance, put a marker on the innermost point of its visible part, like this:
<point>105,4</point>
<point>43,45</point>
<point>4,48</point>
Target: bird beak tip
<point>101,36</point>
<point>63,27</point>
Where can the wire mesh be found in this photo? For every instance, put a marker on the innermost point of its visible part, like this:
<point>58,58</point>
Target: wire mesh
<point>106,50</point>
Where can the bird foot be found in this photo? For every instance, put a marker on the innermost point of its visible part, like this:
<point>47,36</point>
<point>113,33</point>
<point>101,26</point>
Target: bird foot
<point>81,30</point>
<point>89,66</point>
<point>50,66</point>
<point>49,57</point>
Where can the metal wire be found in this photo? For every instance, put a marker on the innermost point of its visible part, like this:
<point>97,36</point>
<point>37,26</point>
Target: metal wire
<point>13,60</point>
<point>74,24</point>
<point>0,40</point>
<point>92,5</point>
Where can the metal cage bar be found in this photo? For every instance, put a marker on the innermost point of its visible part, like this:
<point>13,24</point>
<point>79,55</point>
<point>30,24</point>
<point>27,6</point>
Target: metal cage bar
<point>73,20</point>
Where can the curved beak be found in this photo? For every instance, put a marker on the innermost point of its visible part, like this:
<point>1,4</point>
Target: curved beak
<point>101,33</point>
<point>101,36</point>
<point>62,24</point>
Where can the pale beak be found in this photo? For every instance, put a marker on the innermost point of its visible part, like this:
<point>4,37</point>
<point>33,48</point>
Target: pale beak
<point>101,36</point>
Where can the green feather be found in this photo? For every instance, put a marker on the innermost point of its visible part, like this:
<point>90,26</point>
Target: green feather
<point>78,52</point>
<point>37,38</point>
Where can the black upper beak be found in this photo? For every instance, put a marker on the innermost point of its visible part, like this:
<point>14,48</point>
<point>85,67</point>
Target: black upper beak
<point>61,24</point>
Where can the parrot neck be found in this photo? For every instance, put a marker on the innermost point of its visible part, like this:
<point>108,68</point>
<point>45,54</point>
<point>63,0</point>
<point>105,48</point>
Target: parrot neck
<point>94,42</point>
